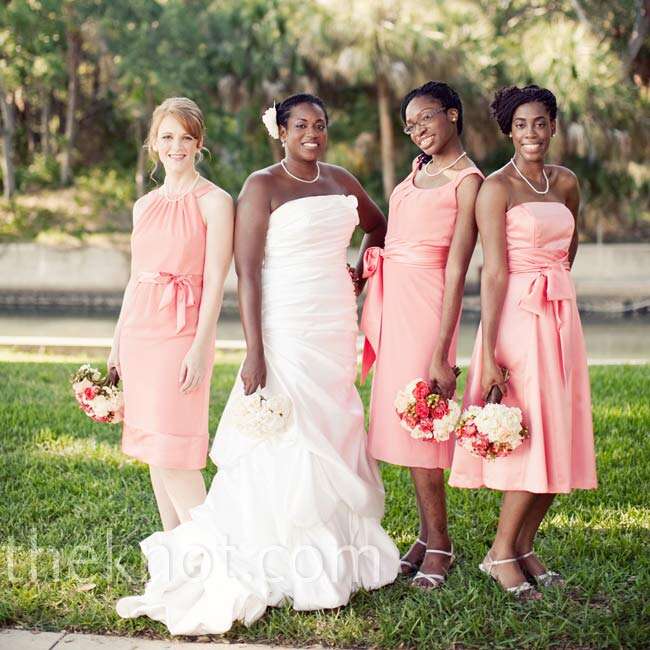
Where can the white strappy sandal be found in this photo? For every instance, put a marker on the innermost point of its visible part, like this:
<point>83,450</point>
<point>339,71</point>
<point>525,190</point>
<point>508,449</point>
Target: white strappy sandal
<point>523,591</point>
<point>436,579</point>
<point>547,579</point>
<point>412,567</point>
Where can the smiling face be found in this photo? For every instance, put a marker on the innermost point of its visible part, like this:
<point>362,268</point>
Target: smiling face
<point>532,129</point>
<point>305,135</point>
<point>432,126</point>
<point>175,147</point>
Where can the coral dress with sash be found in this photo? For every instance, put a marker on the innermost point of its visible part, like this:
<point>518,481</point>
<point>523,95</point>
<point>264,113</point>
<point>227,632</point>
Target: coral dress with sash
<point>402,311</point>
<point>162,426</point>
<point>541,343</point>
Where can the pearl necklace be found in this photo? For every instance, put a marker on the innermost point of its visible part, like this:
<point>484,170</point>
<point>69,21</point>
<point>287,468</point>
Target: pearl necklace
<point>179,195</point>
<point>302,180</point>
<point>532,187</point>
<point>444,169</point>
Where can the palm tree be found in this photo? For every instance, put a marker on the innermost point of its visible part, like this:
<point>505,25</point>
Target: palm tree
<point>384,45</point>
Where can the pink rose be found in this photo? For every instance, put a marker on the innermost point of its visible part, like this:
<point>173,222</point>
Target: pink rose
<point>421,409</point>
<point>89,393</point>
<point>426,425</point>
<point>440,410</point>
<point>421,390</point>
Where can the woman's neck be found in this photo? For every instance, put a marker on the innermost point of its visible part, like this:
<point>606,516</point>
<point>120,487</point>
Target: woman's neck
<point>178,181</point>
<point>448,153</point>
<point>531,169</point>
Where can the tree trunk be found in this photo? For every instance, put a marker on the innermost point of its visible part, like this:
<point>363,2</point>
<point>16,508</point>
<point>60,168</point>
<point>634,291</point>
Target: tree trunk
<point>141,166</point>
<point>386,136</point>
<point>46,114</point>
<point>639,34</point>
<point>8,110</point>
<point>73,38</point>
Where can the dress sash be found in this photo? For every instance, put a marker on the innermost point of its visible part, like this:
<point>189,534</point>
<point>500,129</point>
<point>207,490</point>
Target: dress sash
<point>178,290</point>
<point>424,256</point>
<point>551,285</point>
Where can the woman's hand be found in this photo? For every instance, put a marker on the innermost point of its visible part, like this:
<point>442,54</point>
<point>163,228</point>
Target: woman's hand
<point>253,373</point>
<point>443,377</point>
<point>493,375</point>
<point>357,282</point>
<point>193,369</point>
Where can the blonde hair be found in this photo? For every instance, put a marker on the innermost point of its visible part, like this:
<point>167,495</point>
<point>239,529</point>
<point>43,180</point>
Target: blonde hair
<point>186,112</point>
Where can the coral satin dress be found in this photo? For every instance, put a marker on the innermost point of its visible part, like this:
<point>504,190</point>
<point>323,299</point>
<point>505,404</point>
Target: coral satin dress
<point>402,312</point>
<point>162,426</point>
<point>541,343</point>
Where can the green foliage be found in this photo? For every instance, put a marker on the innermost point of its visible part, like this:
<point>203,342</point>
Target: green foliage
<point>67,493</point>
<point>108,195</point>
<point>43,171</point>
<point>234,57</point>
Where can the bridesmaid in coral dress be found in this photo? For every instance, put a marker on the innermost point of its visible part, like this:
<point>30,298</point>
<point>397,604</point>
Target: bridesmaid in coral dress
<point>164,341</point>
<point>526,215</point>
<point>411,313</point>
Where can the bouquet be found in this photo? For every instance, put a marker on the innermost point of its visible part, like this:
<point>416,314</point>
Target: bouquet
<point>425,414</point>
<point>98,396</point>
<point>262,417</point>
<point>491,431</point>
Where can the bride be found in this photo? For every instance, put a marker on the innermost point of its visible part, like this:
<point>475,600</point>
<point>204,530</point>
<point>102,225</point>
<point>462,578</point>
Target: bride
<point>297,516</point>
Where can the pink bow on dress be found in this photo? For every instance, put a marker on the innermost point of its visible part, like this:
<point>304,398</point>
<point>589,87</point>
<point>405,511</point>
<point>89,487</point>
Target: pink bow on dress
<point>178,290</point>
<point>373,265</point>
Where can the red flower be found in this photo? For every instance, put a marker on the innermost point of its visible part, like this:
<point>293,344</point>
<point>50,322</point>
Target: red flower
<point>421,409</point>
<point>421,390</point>
<point>440,410</point>
<point>426,425</point>
<point>89,393</point>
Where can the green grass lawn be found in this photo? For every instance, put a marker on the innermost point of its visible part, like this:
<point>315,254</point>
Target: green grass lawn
<point>73,509</point>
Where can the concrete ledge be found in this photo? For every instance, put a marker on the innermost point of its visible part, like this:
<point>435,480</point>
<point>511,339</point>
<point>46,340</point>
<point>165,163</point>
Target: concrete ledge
<point>27,640</point>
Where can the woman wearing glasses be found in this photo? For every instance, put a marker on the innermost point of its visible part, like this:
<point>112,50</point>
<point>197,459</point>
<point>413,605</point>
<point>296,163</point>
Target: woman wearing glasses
<point>411,314</point>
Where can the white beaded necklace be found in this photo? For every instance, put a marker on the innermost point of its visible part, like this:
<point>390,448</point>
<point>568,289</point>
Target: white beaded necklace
<point>444,169</point>
<point>302,180</point>
<point>179,195</point>
<point>532,187</point>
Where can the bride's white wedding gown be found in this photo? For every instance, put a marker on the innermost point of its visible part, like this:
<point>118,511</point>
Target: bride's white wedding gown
<point>296,517</point>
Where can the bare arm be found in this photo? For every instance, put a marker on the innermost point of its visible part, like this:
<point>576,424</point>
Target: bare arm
<point>491,207</point>
<point>573,203</point>
<point>371,220</point>
<point>460,253</point>
<point>251,225</point>
<point>217,210</point>
<point>113,360</point>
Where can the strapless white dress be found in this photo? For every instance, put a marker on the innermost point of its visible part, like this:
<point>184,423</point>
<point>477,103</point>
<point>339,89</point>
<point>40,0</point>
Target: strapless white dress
<point>296,516</point>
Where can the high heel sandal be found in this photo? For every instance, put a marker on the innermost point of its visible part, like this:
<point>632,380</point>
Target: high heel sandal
<point>412,567</point>
<point>436,579</point>
<point>522,591</point>
<point>546,579</point>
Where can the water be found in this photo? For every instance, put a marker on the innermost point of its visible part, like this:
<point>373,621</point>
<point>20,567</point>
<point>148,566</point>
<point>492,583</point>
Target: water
<point>607,337</point>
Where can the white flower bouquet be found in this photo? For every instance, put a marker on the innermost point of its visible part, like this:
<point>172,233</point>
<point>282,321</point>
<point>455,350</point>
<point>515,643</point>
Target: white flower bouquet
<point>262,417</point>
<point>491,431</point>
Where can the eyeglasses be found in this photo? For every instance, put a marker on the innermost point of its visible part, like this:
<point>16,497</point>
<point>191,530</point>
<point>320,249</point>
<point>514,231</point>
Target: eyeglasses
<point>425,120</point>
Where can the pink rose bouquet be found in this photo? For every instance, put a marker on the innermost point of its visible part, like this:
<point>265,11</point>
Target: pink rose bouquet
<point>425,414</point>
<point>98,397</point>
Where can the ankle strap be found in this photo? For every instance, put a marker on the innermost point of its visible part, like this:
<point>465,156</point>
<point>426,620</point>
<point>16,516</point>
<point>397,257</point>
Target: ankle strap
<point>435,550</point>
<point>525,555</point>
<point>420,541</point>
<point>506,561</point>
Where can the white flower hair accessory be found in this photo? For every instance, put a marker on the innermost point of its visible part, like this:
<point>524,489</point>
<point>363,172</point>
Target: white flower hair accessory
<point>270,122</point>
